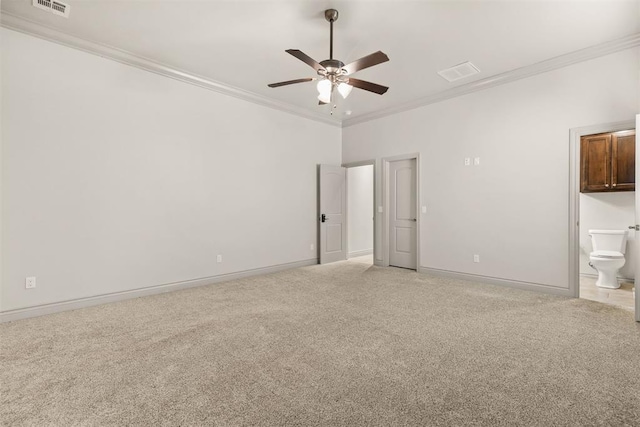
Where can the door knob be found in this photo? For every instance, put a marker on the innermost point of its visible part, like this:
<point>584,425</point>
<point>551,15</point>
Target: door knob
<point>413,219</point>
<point>634,227</point>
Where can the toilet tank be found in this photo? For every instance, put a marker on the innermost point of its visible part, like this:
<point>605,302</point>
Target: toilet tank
<point>609,240</point>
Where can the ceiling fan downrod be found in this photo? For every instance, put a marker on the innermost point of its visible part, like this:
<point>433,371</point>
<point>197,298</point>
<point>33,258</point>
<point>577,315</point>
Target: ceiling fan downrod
<point>331,68</point>
<point>331,15</point>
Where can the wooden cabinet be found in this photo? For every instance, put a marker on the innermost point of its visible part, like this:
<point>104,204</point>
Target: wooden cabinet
<point>623,161</point>
<point>608,162</point>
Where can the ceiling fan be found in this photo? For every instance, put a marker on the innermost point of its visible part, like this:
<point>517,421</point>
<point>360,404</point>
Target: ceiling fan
<point>333,74</point>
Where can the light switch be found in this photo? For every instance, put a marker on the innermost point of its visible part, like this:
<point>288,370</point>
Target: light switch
<point>379,209</point>
<point>424,209</point>
<point>476,161</point>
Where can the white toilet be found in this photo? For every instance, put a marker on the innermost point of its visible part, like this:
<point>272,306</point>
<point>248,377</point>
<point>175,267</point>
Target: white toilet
<point>607,257</point>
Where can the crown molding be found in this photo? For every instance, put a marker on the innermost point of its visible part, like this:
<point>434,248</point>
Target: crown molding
<point>16,23</point>
<point>561,61</point>
<point>26,26</point>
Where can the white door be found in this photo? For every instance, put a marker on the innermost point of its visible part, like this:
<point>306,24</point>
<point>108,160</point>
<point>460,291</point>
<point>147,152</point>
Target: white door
<point>637,234</point>
<point>402,215</point>
<point>333,205</point>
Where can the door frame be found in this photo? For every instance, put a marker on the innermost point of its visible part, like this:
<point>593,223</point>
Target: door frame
<point>385,205</point>
<point>371,162</point>
<point>574,194</point>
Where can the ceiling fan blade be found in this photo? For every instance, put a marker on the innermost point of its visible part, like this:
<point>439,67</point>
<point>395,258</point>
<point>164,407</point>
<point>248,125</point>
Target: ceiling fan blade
<point>366,62</point>
<point>291,82</point>
<point>305,58</point>
<point>371,87</point>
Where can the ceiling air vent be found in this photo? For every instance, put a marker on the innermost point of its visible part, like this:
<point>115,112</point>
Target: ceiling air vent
<point>456,72</point>
<point>54,6</point>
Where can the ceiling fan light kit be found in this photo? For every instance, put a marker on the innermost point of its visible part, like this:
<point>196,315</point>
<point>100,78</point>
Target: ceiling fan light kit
<point>334,74</point>
<point>344,89</point>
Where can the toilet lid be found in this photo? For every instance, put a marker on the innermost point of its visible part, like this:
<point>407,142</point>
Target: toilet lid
<point>607,254</point>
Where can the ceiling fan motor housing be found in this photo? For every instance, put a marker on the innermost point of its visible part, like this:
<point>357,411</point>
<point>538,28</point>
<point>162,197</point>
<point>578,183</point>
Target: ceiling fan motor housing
<point>333,66</point>
<point>333,71</point>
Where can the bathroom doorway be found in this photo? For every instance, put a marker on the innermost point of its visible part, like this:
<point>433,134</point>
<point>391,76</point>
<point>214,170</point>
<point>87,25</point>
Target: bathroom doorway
<point>360,211</point>
<point>602,228</point>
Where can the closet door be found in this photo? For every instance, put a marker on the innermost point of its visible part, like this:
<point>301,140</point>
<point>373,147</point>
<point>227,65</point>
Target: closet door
<point>623,166</point>
<point>595,153</point>
<point>402,214</point>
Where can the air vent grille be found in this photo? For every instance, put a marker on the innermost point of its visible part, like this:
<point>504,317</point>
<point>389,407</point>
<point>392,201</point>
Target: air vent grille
<point>459,71</point>
<point>53,6</point>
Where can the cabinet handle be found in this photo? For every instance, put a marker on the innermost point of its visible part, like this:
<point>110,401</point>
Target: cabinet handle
<point>606,185</point>
<point>614,184</point>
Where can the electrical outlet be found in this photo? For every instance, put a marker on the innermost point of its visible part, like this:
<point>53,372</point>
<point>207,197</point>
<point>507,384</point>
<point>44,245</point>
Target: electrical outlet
<point>311,247</point>
<point>467,161</point>
<point>476,258</point>
<point>30,283</point>
<point>476,161</point>
<point>219,258</point>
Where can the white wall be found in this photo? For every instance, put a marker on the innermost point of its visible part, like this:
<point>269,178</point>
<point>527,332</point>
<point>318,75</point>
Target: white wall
<point>114,178</point>
<point>607,211</point>
<point>512,209</point>
<point>360,210</point>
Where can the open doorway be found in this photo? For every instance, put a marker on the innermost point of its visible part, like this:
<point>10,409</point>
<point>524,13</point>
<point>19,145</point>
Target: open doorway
<point>360,212</point>
<point>604,239</point>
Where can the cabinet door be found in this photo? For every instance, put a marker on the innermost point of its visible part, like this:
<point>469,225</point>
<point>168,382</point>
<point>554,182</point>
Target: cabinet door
<point>623,161</point>
<point>595,163</point>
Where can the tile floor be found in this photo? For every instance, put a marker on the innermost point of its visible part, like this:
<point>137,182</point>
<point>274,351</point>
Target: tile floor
<point>365,259</point>
<point>622,297</point>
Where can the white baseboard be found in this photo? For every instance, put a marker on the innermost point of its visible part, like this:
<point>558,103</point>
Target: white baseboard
<point>529,286</point>
<point>360,253</point>
<point>41,310</point>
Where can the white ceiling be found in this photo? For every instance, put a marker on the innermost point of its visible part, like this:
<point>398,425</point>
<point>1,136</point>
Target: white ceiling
<point>242,43</point>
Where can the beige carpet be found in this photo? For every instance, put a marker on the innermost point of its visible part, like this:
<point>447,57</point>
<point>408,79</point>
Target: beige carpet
<point>343,344</point>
